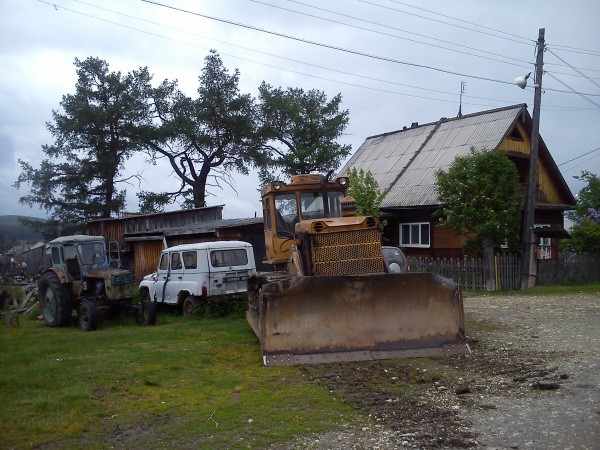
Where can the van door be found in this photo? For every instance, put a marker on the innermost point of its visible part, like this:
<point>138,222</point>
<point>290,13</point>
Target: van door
<point>195,273</point>
<point>171,288</point>
<point>162,275</point>
<point>230,269</point>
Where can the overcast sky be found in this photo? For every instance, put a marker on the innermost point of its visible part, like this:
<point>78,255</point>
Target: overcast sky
<point>394,63</point>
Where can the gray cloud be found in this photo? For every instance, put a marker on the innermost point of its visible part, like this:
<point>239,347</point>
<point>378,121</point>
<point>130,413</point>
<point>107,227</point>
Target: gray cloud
<point>41,42</point>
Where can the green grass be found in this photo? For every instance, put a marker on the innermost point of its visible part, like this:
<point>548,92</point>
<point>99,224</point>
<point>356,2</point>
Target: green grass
<point>196,383</point>
<point>186,382</point>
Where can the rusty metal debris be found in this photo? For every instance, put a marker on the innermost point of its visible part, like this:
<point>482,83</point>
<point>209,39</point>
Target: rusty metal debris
<point>27,303</point>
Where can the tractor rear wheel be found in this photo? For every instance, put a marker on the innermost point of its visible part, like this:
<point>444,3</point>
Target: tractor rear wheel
<point>88,316</point>
<point>145,313</point>
<point>55,301</point>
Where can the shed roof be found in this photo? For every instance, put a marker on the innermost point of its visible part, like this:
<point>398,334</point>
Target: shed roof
<point>405,162</point>
<point>200,227</point>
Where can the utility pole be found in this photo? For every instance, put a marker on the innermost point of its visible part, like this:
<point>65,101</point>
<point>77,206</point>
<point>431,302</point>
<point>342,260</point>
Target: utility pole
<point>527,280</point>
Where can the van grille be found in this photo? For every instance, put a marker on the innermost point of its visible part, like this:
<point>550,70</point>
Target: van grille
<point>347,253</point>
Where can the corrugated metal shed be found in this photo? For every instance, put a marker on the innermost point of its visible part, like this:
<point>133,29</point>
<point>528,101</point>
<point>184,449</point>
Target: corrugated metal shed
<point>405,162</point>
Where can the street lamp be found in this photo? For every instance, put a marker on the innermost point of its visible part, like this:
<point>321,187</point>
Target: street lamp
<point>527,261</point>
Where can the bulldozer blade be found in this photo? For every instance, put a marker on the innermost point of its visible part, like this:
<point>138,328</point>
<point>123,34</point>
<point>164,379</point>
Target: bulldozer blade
<point>313,320</point>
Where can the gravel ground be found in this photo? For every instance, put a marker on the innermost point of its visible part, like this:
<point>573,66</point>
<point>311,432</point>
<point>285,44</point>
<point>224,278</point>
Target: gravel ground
<point>532,381</point>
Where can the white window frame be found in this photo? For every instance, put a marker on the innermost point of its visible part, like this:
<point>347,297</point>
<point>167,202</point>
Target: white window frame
<point>412,227</point>
<point>543,241</point>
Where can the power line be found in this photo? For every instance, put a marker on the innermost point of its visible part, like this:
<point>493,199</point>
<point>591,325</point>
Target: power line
<point>273,66</point>
<point>264,64</point>
<point>574,68</point>
<point>572,49</point>
<point>271,54</point>
<point>584,96</point>
<point>392,28</point>
<point>580,156</point>
<point>582,163</point>
<point>528,41</point>
<point>332,47</point>
<point>576,50</point>
<point>461,20</point>
<point>548,107</point>
<point>403,31</point>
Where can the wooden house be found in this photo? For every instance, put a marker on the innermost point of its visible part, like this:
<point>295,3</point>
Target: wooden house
<point>140,238</point>
<point>404,163</point>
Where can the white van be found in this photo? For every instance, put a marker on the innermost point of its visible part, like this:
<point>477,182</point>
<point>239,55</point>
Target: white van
<point>191,273</point>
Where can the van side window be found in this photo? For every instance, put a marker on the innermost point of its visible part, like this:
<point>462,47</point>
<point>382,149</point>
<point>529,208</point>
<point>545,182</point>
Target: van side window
<point>175,261</point>
<point>164,262</point>
<point>190,260</point>
<point>224,258</point>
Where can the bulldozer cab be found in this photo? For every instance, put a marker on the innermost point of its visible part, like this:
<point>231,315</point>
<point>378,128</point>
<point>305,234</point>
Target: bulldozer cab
<point>307,197</point>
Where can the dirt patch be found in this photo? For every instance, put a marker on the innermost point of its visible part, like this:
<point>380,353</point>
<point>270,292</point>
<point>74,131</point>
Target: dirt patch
<point>531,382</point>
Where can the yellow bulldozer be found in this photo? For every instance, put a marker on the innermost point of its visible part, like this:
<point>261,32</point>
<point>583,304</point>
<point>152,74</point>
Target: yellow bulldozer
<point>331,296</point>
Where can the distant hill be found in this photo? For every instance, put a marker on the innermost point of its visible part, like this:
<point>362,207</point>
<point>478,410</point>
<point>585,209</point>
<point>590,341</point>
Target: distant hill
<point>12,230</point>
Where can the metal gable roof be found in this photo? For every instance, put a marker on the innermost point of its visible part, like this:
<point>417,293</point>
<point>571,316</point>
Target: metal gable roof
<point>405,162</point>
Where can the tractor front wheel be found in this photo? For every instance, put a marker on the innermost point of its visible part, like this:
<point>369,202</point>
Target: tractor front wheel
<point>88,316</point>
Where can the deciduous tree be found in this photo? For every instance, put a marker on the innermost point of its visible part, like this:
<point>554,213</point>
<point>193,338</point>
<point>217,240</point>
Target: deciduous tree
<point>365,190</point>
<point>479,197</point>
<point>585,233</point>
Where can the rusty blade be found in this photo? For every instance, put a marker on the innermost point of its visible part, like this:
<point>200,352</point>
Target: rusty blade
<point>341,318</point>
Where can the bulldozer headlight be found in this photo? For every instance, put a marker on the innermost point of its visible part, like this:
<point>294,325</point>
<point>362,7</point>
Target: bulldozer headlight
<point>277,185</point>
<point>343,181</point>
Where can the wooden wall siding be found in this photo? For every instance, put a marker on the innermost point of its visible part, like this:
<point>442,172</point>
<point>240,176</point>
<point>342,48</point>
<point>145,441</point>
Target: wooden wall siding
<point>146,257</point>
<point>510,145</point>
<point>111,230</point>
<point>445,238</point>
<point>546,190</point>
<point>34,259</point>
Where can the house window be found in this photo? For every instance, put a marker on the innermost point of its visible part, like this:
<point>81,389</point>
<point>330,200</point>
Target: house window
<point>544,241</point>
<point>414,234</point>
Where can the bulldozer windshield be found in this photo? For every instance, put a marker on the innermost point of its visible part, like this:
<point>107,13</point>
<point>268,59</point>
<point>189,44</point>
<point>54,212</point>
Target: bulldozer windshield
<point>312,207</point>
<point>287,213</point>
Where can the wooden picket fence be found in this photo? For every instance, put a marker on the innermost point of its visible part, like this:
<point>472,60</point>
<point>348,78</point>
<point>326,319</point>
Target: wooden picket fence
<point>569,268</point>
<point>470,274</point>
